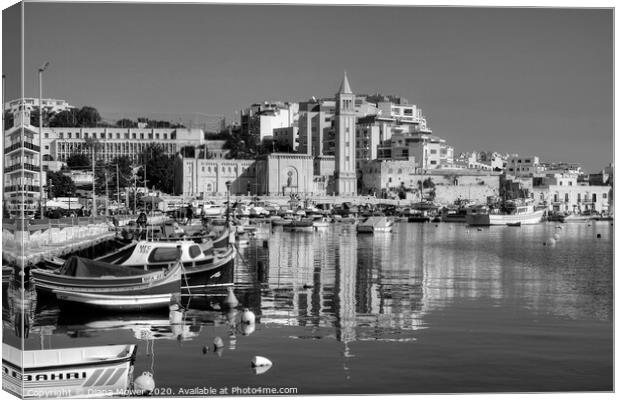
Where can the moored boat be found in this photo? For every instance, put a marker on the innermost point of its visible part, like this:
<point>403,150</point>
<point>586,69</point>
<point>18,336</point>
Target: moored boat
<point>203,264</point>
<point>68,372</point>
<point>83,278</point>
<point>374,225</point>
<point>322,222</point>
<point>304,224</point>
<point>524,214</point>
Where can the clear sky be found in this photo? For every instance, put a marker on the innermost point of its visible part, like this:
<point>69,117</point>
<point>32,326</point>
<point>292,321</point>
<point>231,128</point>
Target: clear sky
<point>527,81</point>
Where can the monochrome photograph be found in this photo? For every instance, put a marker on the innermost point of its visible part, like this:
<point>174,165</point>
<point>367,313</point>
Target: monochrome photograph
<point>284,200</point>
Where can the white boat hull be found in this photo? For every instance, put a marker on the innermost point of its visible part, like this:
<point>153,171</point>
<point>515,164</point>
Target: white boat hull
<point>110,302</point>
<point>503,219</point>
<point>81,372</point>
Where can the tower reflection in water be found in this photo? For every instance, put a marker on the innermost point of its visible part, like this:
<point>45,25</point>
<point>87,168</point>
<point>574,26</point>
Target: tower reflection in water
<point>337,279</point>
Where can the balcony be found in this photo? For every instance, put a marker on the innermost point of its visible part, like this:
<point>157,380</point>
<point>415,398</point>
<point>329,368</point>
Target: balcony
<point>27,145</point>
<point>26,166</point>
<point>22,188</point>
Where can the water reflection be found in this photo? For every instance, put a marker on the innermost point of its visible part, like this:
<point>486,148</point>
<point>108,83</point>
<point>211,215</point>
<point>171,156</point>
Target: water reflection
<point>382,287</point>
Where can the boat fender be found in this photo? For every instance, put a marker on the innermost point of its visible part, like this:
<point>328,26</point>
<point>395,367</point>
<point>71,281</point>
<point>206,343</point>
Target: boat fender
<point>258,361</point>
<point>551,241</point>
<point>218,342</point>
<point>144,384</point>
<point>205,349</point>
<point>556,236</point>
<point>248,317</point>
<point>598,235</point>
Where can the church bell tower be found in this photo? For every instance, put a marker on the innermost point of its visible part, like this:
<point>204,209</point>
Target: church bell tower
<point>346,179</point>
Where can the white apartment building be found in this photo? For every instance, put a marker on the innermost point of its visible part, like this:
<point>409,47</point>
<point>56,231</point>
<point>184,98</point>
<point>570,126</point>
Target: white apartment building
<point>261,119</point>
<point>563,193</point>
<point>22,178</point>
<point>429,151</point>
<point>316,118</point>
<point>29,103</point>
<point>60,143</point>
<point>523,166</point>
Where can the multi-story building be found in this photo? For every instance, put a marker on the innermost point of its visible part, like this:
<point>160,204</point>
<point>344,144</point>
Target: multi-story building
<point>30,103</point>
<point>429,151</point>
<point>22,176</point>
<point>316,127</point>
<point>563,193</point>
<point>522,166</point>
<point>60,143</point>
<point>287,138</point>
<point>260,120</point>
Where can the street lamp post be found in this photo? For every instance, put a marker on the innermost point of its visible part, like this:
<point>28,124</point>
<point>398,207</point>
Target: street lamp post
<point>41,69</point>
<point>227,202</point>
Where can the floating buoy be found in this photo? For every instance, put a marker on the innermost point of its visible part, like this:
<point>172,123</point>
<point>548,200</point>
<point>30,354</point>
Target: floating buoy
<point>544,243</point>
<point>205,349</point>
<point>551,241</point>
<point>247,329</point>
<point>556,236</point>
<point>218,342</point>
<point>598,235</point>
<point>258,361</point>
<point>261,370</point>
<point>479,229</point>
<point>144,384</point>
<point>436,225</point>
<point>231,300</point>
<point>248,317</point>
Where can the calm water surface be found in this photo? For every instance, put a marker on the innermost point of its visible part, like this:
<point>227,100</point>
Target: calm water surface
<point>424,309</point>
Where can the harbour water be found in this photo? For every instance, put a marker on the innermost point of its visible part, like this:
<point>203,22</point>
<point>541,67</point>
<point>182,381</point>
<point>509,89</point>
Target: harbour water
<point>425,309</point>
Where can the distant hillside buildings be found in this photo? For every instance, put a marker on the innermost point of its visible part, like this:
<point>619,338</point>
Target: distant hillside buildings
<point>344,145</point>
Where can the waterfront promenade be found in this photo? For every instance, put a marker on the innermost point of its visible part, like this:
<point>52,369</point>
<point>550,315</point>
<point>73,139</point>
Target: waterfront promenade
<point>30,241</point>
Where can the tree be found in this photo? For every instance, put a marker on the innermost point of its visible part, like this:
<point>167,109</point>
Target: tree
<point>80,161</point>
<point>88,117</point>
<point>8,120</point>
<point>125,172</point>
<point>62,185</point>
<point>159,168</point>
<point>126,123</point>
<point>65,118</point>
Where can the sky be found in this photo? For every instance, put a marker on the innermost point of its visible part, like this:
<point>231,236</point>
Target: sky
<point>527,81</point>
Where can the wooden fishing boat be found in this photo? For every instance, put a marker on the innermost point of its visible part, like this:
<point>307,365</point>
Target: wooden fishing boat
<point>203,264</point>
<point>68,372</point>
<point>72,299</point>
<point>85,282</point>
<point>300,225</point>
<point>281,221</point>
